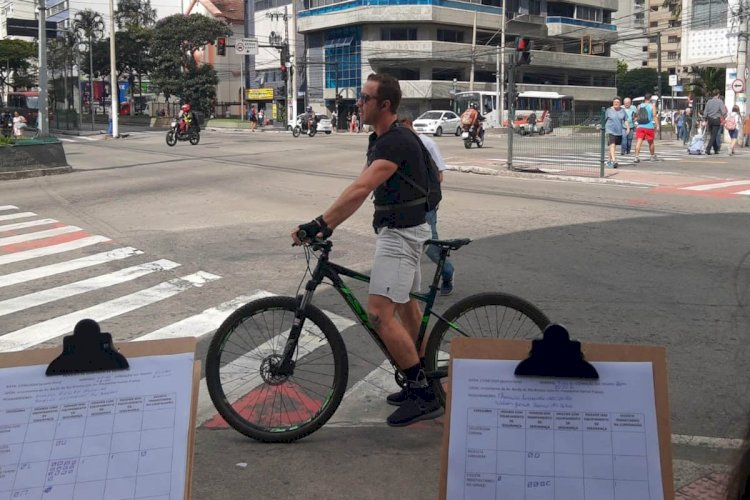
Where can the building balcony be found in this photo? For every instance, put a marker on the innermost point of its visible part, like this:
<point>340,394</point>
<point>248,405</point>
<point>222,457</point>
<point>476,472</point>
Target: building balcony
<point>576,28</point>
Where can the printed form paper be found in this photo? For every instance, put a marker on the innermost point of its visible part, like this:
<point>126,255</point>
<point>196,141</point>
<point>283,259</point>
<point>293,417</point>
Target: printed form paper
<point>108,435</point>
<point>534,438</point>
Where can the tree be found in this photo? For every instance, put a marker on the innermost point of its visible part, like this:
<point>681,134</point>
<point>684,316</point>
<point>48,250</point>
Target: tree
<point>90,26</point>
<point>175,42</point>
<point>134,15</point>
<point>707,80</point>
<point>622,69</point>
<point>15,56</point>
<point>137,18</point>
<point>60,57</point>
<point>638,81</point>
<point>675,8</point>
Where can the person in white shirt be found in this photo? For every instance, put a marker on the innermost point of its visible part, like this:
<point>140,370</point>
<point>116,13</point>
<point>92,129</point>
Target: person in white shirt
<point>732,124</point>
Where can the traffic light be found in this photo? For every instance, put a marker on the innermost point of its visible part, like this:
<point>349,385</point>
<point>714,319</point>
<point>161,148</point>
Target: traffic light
<point>221,46</point>
<point>523,48</point>
<point>586,45</point>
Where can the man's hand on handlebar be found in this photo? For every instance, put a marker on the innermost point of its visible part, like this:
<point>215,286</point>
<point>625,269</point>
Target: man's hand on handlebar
<point>315,229</point>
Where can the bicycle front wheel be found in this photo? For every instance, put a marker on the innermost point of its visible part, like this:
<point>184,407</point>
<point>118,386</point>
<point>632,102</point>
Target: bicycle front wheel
<point>484,315</point>
<point>253,397</point>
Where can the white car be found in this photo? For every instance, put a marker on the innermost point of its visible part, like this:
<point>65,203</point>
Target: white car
<point>324,123</point>
<point>438,122</point>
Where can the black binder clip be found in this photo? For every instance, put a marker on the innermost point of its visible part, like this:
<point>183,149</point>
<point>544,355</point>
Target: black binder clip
<point>87,350</point>
<point>555,355</point>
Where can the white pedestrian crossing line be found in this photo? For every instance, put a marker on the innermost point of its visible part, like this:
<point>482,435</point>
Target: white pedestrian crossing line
<point>38,235</point>
<point>744,193</point>
<point>35,299</point>
<point>717,185</point>
<point>52,249</point>
<point>374,386</point>
<point>203,323</point>
<point>8,207</point>
<point>67,266</point>
<point>52,328</point>
<point>20,215</point>
<point>24,225</point>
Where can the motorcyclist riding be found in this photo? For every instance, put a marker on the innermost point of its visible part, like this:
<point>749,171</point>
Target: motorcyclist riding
<point>185,117</point>
<point>309,118</point>
<point>472,120</point>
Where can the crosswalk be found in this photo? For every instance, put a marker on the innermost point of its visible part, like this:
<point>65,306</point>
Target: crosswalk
<point>53,274</point>
<point>588,159</point>
<point>718,188</point>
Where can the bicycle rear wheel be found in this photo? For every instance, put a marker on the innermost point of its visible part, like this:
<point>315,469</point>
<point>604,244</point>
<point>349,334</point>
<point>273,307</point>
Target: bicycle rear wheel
<point>484,315</point>
<point>243,386</point>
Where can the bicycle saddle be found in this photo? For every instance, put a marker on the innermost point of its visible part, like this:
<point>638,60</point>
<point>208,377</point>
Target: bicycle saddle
<point>452,244</point>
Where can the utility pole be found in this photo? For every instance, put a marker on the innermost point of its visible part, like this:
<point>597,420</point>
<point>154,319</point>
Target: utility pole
<point>501,101</point>
<point>473,52</point>
<point>43,114</point>
<point>743,41</point>
<point>498,93</point>
<point>114,88</point>
<point>511,106</point>
<point>293,67</point>
<point>249,33</point>
<point>658,83</point>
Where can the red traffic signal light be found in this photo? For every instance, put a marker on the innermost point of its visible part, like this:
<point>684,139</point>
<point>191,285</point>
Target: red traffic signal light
<point>523,44</point>
<point>221,46</point>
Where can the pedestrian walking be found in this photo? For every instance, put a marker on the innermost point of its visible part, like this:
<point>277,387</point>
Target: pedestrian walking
<point>627,138</point>
<point>261,117</point>
<point>715,111</point>
<point>688,124</point>
<point>679,125</point>
<point>615,126</point>
<point>433,252</point>
<point>647,123</point>
<point>334,120</point>
<point>731,124</point>
<point>393,153</point>
<point>19,123</point>
<point>253,117</point>
<point>353,125</point>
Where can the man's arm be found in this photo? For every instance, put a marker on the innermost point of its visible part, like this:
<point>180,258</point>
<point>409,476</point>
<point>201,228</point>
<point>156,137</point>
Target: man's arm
<point>356,193</point>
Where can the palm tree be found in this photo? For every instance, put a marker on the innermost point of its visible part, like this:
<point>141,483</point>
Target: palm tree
<point>675,8</point>
<point>707,80</point>
<point>90,25</point>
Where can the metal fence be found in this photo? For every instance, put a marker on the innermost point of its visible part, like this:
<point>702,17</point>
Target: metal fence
<point>566,143</point>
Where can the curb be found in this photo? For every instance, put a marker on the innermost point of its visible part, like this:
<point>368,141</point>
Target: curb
<point>39,172</point>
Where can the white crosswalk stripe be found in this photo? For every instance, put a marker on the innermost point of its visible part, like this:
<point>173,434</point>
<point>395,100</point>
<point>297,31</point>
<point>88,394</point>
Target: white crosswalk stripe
<point>52,249</point>
<point>12,240</point>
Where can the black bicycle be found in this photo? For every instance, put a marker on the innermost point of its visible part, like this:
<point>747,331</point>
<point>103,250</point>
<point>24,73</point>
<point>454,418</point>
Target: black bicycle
<point>277,368</point>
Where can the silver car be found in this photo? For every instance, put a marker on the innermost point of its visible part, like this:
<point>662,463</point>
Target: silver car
<point>437,122</point>
<point>324,123</point>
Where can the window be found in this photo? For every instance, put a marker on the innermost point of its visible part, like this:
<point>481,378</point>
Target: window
<point>673,39</point>
<point>588,13</point>
<point>342,47</point>
<point>535,7</point>
<point>654,8</point>
<point>674,23</point>
<point>398,33</point>
<point>653,24</point>
<point>644,63</point>
<point>446,74</point>
<point>652,55</point>
<point>401,73</point>
<point>560,9</point>
<point>450,36</point>
<point>645,48</point>
<point>672,56</point>
<point>709,14</point>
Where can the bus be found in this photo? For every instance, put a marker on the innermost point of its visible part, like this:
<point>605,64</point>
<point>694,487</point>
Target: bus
<point>528,102</point>
<point>25,102</point>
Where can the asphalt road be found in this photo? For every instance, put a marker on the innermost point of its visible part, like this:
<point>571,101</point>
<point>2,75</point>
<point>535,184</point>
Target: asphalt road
<point>614,263</point>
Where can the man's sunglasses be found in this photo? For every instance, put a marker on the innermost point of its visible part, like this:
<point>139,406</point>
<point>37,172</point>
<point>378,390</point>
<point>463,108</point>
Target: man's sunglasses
<point>366,98</point>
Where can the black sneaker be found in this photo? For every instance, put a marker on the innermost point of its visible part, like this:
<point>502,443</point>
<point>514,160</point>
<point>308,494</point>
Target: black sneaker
<point>416,408</point>
<point>447,287</point>
<point>397,398</point>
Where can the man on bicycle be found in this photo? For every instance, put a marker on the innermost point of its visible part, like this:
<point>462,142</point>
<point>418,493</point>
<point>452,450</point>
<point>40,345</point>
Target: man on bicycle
<point>399,222</point>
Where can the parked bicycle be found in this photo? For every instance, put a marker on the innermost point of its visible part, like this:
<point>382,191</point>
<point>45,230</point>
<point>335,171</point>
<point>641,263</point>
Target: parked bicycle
<point>277,368</point>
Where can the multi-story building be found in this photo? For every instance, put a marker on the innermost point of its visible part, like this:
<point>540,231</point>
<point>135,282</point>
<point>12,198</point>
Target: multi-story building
<point>631,21</point>
<point>662,23</point>
<point>428,43</point>
<point>18,9</point>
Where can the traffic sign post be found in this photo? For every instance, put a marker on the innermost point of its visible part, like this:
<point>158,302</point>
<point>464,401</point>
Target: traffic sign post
<point>246,46</point>
<point>738,86</point>
<point>672,80</point>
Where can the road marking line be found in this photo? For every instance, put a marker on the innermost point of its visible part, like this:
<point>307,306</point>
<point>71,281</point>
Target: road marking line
<point>375,386</point>
<point>70,265</point>
<point>24,225</point>
<point>38,235</point>
<point>708,442</point>
<point>744,193</point>
<point>52,328</point>
<point>716,185</point>
<point>8,207</point>
<point>203,323</point>
<point>52,249</point>
<point>87,285</point>
<point>19,215</point>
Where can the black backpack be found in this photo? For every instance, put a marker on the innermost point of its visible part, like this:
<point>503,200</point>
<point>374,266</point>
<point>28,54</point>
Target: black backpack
<point>433,194</point>
<point>642,116</point>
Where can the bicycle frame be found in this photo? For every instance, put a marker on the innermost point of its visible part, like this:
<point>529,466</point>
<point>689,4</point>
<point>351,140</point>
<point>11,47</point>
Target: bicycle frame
<point>327,269</point>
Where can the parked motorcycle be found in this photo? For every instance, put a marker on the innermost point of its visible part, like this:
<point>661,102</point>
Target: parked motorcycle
<point>191,133</point>
<point>309,130</point>
<point>473,134</point>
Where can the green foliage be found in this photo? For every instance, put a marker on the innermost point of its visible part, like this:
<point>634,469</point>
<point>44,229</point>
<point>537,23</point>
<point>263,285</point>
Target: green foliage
<point>135,15</point>
<point>637,82</point>
<point>6,141</point>
<point>16,56</point>
<point>707,80</point>
<point>674,6</point>
<point>175,41</point>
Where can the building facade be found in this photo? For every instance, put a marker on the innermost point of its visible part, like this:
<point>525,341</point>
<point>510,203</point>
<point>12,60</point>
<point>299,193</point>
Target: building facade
<point>631,21</point>
<point>427,44</point>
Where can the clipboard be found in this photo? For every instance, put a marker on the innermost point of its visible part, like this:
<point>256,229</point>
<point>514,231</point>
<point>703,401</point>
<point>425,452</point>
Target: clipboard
<point>518,350</point>
<point>125,350</point>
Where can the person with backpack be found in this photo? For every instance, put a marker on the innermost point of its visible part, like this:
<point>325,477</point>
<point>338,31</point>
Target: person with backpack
<point>715,111</point>
<point>646,125</point>
<point>433,252</point>
<point>399,173</point>
<point>731,124</point>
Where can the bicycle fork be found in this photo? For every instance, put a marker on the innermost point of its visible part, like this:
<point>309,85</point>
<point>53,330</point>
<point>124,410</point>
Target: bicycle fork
<point>286,364</point>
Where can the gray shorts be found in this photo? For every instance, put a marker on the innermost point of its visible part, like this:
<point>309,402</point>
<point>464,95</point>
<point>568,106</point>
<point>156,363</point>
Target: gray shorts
<point>395,267</point>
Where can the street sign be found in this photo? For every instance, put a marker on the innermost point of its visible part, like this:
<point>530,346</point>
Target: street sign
<point>677,88</point>
<point>246,46</point>
<point>672,80</point>
<point>259,94</point>
<point>30,28</point>
<point>738,86</point>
